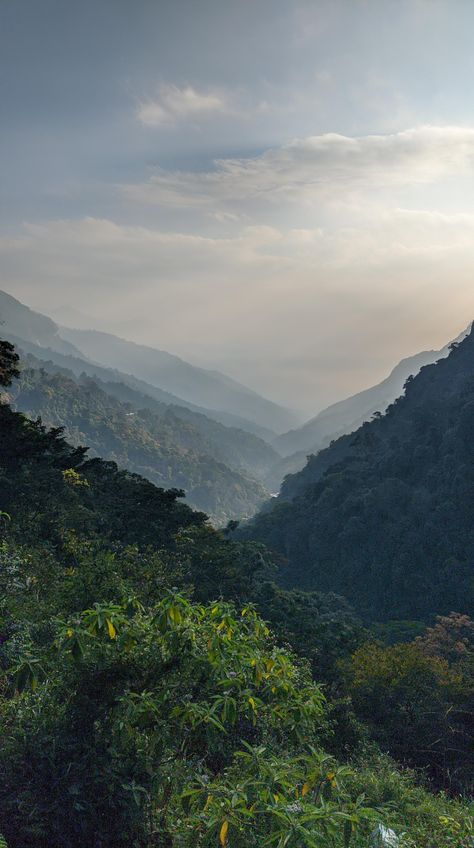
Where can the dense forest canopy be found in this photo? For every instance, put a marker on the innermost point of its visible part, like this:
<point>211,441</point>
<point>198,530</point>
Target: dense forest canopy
<point>385,516</point>
<point>170,447</point>
<point>160,688</point>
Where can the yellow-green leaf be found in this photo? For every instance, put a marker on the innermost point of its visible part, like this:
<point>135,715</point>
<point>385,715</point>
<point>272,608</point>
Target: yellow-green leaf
<point>223,832</point>
<point>111,629</point>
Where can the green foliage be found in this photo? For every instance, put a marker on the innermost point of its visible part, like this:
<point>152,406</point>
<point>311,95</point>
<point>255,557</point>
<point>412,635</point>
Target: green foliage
<point>426,688</point>
<point>38,495</point>
<point>8,363</point>
<point>427,820</point>
<point>164,720</point>
<point>138,710</point>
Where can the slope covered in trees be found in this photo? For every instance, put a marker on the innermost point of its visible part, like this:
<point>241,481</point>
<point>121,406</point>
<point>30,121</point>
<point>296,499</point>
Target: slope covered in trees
<point>386,516</point>
<point>347,415</point>
<point>139,708</point>
<point>162,445</point>
<point>208,388</point>
<point>175,380</point>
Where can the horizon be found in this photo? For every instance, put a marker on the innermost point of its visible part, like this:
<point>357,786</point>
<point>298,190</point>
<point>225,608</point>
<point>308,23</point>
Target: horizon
<point>265,191</point>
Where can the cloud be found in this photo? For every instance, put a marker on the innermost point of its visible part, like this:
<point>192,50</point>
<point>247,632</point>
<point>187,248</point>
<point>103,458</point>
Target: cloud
<point>175,104</point>
<point>318,167</point>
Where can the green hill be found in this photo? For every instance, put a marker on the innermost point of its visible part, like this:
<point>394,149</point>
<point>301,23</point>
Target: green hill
<point>174,380</point>
<point>160,445</point>
<point>385,516</point>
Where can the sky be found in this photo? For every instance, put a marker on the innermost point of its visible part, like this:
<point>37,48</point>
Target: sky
<point>282,190</point>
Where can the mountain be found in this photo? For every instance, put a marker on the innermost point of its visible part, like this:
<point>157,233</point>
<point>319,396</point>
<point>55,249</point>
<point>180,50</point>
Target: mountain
<point>210,392</point>
<point>385,516</point>
<point>19,321</point>
<point>213,464</point>
<point>210,389</point>
<point>36,334</point>
<point>347,415</point>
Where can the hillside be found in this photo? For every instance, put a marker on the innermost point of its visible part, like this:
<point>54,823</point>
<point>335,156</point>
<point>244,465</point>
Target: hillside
<point>385,516</point>
<point>347,415</point>
<point>160,445</point>
<point>210,389</point>
<point>39,335</point>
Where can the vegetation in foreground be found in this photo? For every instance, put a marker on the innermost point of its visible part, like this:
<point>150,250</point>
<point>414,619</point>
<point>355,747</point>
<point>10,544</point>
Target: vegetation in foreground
<point>138,710</point>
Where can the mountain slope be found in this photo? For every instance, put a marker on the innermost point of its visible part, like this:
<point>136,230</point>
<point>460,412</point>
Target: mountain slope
<point>164,448</point>
<point>19,321</point>
<point>347,415</point>
<point>234,446</point>
<point>386,516</point>
<point>197,385</point>
<point>36,334</point>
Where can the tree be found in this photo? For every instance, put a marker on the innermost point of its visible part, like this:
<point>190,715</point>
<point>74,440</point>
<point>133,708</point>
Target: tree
<point>9,360</point>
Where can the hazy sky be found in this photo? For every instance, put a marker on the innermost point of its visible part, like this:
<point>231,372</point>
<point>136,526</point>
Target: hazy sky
<point>280,189</point>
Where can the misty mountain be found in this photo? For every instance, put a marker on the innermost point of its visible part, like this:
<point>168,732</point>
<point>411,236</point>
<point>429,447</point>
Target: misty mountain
<point>159,445</point>
<point>347,415</point>
<point>209,389</point>
<point>385,515</point>
<point>19,321</point>
<point>37,334</point>
<point>234,446</point>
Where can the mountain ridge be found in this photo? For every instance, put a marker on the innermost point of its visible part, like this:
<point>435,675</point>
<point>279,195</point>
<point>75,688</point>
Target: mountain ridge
<point>349,413</point>
<point>160,447</point>
<point>39,335</point>
<point>209,388</point>
<point>390,505</point>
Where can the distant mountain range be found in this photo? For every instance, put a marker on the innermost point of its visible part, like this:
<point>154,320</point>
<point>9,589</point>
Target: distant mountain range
<point>209,389</point>
<point>182,383</point>
<point>147,429</point>
<point>231,424</point>
<point>175,448</point>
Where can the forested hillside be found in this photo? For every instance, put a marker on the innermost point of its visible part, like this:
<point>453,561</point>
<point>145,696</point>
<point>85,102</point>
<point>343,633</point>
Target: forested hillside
<point>385,516</point>
<point>347,415</point>
<point>158,373</point>
<point>145,702</point>
<point>211,463</point>
<point>196,385</point>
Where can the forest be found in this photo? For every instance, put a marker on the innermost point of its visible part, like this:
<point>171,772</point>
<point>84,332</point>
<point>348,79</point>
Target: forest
<point>385,515</point>
<point>163,685</point>
<point>171,446</point>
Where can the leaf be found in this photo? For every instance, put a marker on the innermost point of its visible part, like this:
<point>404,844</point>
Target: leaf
<point>223,832</point>
<point>305,789</point>
<point>111,629</point>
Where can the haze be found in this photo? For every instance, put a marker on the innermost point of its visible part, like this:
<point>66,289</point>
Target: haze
<point>281,190</point>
